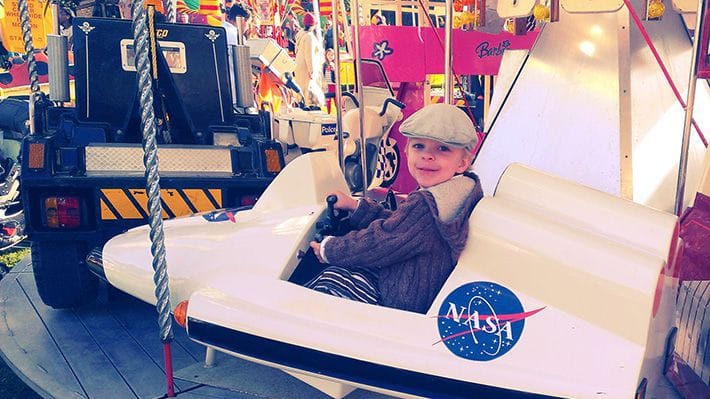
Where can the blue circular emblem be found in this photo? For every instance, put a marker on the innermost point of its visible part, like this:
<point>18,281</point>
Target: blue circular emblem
<point>481,321</point>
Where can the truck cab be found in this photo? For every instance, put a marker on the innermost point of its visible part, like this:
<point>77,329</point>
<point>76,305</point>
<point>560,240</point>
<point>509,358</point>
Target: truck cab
<point>83,177</point>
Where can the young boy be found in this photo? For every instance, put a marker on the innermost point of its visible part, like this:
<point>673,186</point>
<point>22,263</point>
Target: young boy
<point>402,258</point>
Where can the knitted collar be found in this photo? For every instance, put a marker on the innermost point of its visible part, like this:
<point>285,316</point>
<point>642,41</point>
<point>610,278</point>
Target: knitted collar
<point>451,195</point>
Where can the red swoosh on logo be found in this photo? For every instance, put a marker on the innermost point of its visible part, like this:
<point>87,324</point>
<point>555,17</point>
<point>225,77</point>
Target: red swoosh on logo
<point>511,317</point>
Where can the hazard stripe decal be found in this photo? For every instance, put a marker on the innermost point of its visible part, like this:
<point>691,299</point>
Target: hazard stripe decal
<point>121,204</point>
<point>140,198</point>
<point>216,197</point>
<point>203,200</point>
<point>174,203</point>
<point>106,212</point>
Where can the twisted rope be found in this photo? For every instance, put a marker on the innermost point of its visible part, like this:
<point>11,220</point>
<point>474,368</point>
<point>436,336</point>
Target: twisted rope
<point>171,11</point>
<point>31,64</point>
<point>150,160</point>
<point>29,49</point>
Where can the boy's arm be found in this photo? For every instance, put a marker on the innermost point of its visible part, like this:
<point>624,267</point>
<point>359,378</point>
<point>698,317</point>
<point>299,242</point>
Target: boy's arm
<point>385,241</point>
<point>368,210</point>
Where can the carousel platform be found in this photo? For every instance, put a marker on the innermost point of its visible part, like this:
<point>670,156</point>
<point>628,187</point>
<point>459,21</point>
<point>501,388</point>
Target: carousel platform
<point>111,349</point>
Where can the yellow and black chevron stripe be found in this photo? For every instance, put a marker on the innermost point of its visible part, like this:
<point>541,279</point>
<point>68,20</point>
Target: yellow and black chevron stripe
<point>132,203</point>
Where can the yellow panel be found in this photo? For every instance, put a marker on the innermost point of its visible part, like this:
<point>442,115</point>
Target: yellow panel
<point>117,197</point>
<point>173,201</point>
<point>199,199</point>
<point>106,213</point>
<point>40,25</point>
<point>141,197</point>
<point>347,73</point>
<point>436,80</point>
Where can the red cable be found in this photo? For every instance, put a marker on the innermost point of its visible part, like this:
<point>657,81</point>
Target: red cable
<point>168,357</point>
<point>663,67</point>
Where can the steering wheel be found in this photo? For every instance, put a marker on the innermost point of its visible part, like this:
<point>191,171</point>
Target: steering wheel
<point>336,222</point>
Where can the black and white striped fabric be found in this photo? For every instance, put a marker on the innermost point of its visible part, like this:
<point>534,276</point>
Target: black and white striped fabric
<point>359,285</point>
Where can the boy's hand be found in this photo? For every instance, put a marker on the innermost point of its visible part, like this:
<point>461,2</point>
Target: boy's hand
<point>344,202</point>
<point>316,250</point>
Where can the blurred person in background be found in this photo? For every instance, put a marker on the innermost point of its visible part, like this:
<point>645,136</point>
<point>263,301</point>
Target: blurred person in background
<point>310,57</point>
<point>237,21</point>
<point>291,27</point>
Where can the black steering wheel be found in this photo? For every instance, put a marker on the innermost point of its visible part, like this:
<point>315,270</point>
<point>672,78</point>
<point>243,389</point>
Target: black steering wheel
<point>336,222</point>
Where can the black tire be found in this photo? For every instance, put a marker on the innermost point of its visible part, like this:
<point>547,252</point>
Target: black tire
<point>389,160</point>
<point>63,279</point>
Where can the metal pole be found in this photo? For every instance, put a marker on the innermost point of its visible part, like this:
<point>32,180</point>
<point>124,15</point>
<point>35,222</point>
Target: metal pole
<point>55,18</point>
<point>316,14</point>
<point>690,101</point>
<point>209,357</point>
<point>346,26</point>
<point>448,64</point>
<point>240,30</point>
<point>359,94</point>
<point>338,90</point>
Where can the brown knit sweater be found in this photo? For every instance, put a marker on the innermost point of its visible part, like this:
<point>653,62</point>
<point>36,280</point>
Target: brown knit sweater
<point>413,249</point>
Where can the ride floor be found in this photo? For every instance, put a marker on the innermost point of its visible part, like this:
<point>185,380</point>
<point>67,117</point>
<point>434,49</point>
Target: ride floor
<point>111,349</point>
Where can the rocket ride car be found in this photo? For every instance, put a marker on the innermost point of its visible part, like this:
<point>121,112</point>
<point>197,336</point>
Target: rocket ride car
<point>561,291</point>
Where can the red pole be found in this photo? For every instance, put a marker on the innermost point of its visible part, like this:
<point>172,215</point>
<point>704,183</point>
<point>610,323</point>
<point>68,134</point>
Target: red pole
<point>647,38</point>
<point>168,357</point>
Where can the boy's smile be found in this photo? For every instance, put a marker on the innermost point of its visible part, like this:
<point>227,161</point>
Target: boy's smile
<point>431,162</point>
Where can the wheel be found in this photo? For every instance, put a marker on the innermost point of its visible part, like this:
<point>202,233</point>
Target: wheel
<point>670,350</point>
<point>388,162</point>
<point>63,279</point>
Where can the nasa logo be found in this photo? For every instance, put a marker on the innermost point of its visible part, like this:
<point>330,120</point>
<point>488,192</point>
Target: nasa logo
<point>221,215</point>
<point>481,321</point>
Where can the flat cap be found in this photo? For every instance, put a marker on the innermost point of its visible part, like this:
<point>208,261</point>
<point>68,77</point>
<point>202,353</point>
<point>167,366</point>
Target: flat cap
<point>441,122</point>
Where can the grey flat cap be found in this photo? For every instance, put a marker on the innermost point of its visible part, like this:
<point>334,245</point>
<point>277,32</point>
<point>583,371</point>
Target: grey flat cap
<point>441,122</point>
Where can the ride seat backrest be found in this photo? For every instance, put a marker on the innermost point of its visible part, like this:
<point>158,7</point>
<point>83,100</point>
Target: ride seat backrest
<point>373,125</point>
<point>590,254</point>
<point>374,98</point>
<point>587,209</point>
<point>306,181</point>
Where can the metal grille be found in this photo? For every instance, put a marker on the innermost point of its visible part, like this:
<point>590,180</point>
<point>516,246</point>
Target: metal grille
<point>106,159</point>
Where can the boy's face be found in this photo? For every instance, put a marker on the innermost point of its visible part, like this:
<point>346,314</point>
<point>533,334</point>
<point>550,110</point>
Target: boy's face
<point>431,162</point>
